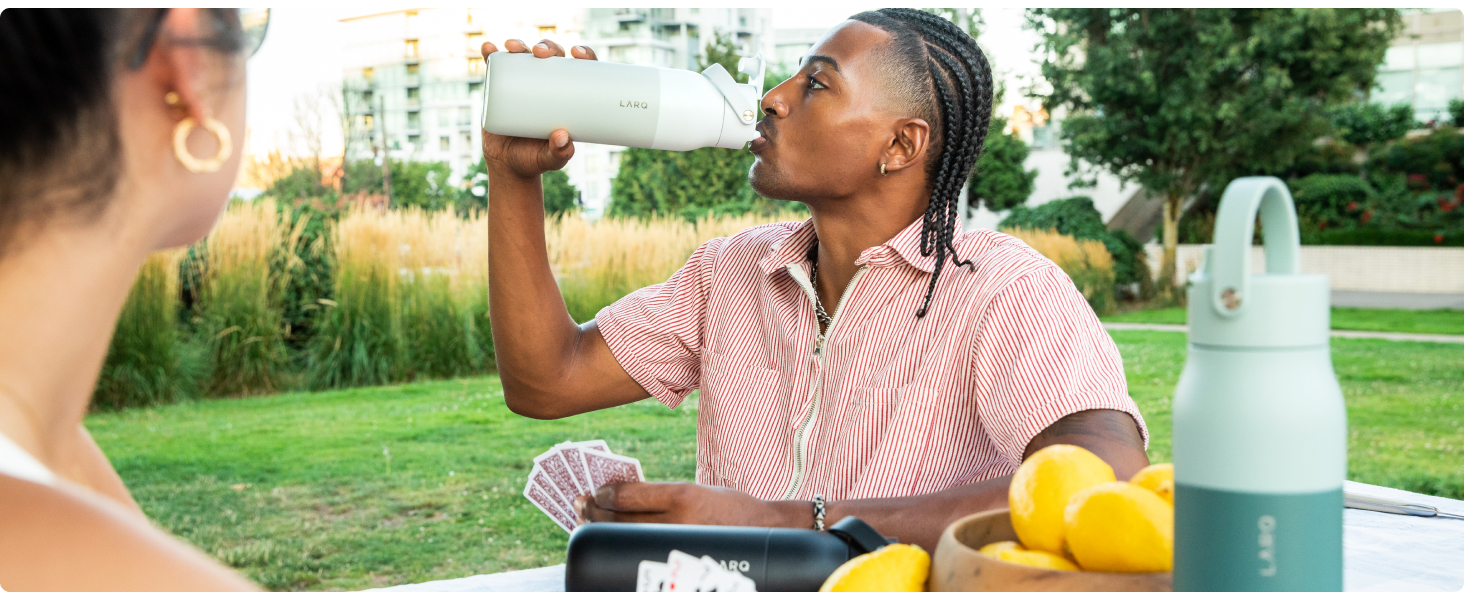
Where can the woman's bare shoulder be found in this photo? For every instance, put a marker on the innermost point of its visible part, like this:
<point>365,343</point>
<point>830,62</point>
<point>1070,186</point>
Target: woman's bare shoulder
<point>59,539</point>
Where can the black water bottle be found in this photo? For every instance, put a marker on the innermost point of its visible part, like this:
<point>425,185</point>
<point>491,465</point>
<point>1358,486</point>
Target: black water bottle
<point>606,557</point>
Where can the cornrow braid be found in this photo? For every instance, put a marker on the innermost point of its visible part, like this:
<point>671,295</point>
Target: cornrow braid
<point>954,78</point>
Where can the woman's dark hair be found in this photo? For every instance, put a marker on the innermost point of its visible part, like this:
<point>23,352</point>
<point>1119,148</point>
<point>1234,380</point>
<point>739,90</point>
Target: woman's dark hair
<point>60,149</point>
<point>938,71</point>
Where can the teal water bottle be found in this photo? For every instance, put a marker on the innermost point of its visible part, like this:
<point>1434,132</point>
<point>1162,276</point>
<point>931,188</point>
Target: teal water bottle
<point>1260,429</point>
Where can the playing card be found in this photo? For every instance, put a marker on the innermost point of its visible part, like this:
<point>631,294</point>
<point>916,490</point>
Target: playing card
<point>652,576</point>
<point>541,498</point>
<point>558,470</point>
<point>571,453</point>
<point>684,572</point>
<point>714,577</point>
<point>541,478</point>
<point>594,445</point>
<point>604,468</point>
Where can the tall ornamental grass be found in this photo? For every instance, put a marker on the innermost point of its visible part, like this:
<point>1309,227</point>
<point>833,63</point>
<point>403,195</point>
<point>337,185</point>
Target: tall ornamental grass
<point>410,299</point>
<point>147,362</point>
<point>1086,262</point>
<point>598,262</point>
<point>240,314</point>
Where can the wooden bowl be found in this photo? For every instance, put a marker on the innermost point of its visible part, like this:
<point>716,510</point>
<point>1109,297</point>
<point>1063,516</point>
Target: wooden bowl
<point>958,567</point>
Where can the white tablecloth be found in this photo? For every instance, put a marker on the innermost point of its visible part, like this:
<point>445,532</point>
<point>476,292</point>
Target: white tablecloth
<point>1381,553</point>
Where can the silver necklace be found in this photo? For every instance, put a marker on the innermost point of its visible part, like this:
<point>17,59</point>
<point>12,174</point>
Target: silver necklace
<point>824,320</point>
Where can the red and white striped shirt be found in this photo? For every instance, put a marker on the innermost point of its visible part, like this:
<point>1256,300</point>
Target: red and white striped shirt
<point>886,404</point>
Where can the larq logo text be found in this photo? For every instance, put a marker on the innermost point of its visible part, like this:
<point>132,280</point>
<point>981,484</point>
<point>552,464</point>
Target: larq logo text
<point>1267,541</point>
<point>634,104</point>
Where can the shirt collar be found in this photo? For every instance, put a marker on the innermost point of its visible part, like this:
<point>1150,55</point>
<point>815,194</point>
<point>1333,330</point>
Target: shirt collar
<point>904,247</point>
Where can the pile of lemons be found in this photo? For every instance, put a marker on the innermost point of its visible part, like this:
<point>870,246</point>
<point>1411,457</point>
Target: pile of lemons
<point>1071,513</point>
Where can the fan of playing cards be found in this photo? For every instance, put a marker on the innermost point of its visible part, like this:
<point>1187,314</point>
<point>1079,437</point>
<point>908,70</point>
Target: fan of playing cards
<point>683,572</point>
<point>573,469</point>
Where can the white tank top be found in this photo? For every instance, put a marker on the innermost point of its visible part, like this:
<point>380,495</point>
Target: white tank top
<point>16,462</point>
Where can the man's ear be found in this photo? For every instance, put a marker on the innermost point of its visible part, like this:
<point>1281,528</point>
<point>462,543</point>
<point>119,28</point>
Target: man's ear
<point>907,147</point>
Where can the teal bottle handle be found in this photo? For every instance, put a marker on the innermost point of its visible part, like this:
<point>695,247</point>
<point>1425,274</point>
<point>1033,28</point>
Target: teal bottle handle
<point>1235,226</point>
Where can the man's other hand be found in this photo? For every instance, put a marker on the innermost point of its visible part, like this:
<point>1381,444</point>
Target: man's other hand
<point>688,503</point>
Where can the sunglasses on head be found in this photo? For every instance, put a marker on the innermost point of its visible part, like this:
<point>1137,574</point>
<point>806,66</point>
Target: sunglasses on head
<point>254,22</point>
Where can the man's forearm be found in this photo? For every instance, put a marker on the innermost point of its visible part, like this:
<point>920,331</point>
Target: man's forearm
<point>920,520</point>
<point>533,333</point>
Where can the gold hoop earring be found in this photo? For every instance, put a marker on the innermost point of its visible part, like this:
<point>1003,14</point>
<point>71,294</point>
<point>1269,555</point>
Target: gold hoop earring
<point>881,168</point>
<point>180,145</point>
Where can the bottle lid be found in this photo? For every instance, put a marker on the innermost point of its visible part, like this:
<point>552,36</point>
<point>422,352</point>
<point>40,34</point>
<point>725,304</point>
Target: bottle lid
<point>1282,308</point>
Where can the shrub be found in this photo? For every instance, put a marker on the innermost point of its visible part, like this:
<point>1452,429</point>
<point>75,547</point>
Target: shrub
<point>1435,161</point>
<point>146,362</point>
<point>1086,262</point>
<point>1324,201</point>
<point>1365,123</point>
<point>999,181</point>
<point>240,319</point>
<point>1077,217</point>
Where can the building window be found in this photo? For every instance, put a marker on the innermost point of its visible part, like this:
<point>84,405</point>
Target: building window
<point>465,116</point>
<point>414,96</point>
<point>369,122</point>
<point>414,69</point>
<point>369,73</point>
<point>368,97</point>
<point>411,49</point>
<point>414,120</point>
<point>467,140</point>
<point>444,143</point>
<point>415,141</point>
<point>475,65</point>
<point>475,87</point>
<point>546,31</point>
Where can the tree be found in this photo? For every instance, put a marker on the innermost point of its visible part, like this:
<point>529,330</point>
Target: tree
<point>1366,124</point>
<point>691,183</point>
<point>1177,99</point>
<point>968,19</point>
<point>999,181</point>
<point>559,196</point>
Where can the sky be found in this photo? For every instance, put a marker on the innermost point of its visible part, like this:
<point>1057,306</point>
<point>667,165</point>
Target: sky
<point>302,54</point>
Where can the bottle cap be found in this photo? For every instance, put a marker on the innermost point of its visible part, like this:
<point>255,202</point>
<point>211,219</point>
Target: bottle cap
<point>1282,308</point>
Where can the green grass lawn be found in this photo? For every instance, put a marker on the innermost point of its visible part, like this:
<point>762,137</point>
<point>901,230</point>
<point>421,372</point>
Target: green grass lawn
<point>381,486</point>
<point>1352,319</point>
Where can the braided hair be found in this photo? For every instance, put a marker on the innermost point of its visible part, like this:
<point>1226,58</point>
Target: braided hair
<point>940,73</point>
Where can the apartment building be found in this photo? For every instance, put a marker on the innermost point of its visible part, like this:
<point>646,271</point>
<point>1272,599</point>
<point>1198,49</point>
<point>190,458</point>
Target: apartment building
<point>413,78</point>
<point>1425,64</point>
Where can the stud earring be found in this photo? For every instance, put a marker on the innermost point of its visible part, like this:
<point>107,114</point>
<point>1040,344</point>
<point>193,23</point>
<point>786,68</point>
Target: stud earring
<point>881,168</point>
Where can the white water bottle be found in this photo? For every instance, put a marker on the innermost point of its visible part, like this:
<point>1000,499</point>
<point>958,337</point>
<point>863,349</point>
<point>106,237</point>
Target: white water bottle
<point>1260,429</point>
<point>620,104</point>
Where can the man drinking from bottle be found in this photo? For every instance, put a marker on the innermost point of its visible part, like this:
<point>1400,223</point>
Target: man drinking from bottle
<point>873,361</point>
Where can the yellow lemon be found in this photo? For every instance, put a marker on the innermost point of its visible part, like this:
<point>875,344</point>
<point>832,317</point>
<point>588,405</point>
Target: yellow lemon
<point>1036,558</point>
<point>994,549</point>
<point>1158,479</point>
<point>1120,527</point>
<point>1041,488</point>
<point>893,568</point>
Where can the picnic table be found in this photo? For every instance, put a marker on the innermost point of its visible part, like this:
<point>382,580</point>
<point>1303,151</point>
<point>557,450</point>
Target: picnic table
<point>1381,553</point>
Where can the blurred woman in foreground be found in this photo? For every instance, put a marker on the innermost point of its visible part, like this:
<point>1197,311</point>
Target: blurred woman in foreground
<point>120,135</point>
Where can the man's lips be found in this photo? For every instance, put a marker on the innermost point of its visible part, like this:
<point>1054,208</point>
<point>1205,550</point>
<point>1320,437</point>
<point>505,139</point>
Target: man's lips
<point>764,130</point>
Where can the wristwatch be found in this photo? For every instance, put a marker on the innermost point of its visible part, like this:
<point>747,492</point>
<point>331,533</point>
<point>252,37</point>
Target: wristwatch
<point>818,512</point>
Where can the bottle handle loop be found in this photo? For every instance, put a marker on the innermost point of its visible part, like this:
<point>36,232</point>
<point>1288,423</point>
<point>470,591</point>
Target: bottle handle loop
<point>1229,259</point>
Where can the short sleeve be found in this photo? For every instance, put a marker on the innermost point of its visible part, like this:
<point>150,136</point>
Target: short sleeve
<point>1041,354</point>
<point>655,333</point>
